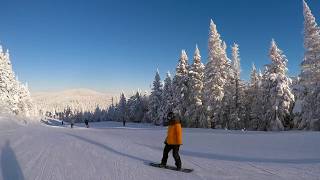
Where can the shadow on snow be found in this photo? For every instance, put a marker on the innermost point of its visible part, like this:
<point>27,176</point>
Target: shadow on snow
<point>240,159</point>
<point>110,149</point>
<point>10,167</point>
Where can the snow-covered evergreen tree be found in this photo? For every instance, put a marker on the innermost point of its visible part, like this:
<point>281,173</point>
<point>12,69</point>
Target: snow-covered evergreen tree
<point>117,112</point>
<point>226,118</point>
<point>308,85</point>
<point>135,107</point>
<point>145,106</point>
<point>111,110</point>
<point>122,108</point>
<point>236,61</point>
<point>253,100</point>
<point>310,73</point>
<point>234,94</point>
<point>155,100</point>
<point>311,111</point>
<point>167,98</point>
<point>8,84</point>
<point>14,95</point>
<point>195,112</point>
<point>215,77</point>
<point>25,105</point>
<point>277,97</point>
<point>131,104</point>
<point>139,107</point>
<point>180,86</point>
<point>97,115</point>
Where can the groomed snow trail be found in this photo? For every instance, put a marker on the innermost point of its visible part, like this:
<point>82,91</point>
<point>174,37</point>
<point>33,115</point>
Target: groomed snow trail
<point>108,151</point>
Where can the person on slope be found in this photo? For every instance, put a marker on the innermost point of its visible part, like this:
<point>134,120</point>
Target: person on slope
<point>87,123</point>
<point>173,141</point>
<point>72,123</point>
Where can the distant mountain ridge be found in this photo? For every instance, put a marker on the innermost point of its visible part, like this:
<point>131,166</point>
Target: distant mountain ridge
<point>76,99</point>
<point>69,93</point>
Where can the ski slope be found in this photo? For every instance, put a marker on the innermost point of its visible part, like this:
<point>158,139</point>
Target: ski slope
<point>108,151</point>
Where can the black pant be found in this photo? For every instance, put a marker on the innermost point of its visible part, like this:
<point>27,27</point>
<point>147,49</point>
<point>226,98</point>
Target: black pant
<point>175,153</point>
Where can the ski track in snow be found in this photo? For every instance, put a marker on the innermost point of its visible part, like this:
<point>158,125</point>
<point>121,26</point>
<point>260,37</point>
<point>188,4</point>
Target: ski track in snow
<point>109,151</point>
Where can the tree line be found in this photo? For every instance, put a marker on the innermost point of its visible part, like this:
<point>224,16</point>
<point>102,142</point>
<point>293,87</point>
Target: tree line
<point>214,96</point>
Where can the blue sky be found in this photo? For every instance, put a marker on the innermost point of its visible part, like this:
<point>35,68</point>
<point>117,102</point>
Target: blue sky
<point>113,45</point>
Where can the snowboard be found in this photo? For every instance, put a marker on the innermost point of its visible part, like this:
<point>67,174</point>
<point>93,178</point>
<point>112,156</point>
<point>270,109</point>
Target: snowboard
<point>185,170</point>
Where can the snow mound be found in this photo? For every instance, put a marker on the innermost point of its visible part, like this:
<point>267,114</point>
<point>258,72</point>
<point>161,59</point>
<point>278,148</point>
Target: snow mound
<point>10,122</point>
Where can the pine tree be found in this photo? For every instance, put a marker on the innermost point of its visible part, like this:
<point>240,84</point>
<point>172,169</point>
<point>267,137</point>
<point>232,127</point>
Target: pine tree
<point>15,96</point>
<point>97,115</point>
<point>135,108</point>
<point>276,95</point>
<point>308,85</point>
<point>311,111</point>
<point>122,108</point>
<point>145,107</point>
<point>25,105</point>
<point>234,94</point>
<point>155,100</point>
<point>215,78</point>
<point>111,111</point>
<point>167,98</point>
<point>9,86</point>
<point>310,73</point>
<point>180,86</point>
<point>131,104</point>
<point>236,61</point>
<point>139,107</point>
<point>253,100</point>
<point>195,109</point>
<point>117,113</point>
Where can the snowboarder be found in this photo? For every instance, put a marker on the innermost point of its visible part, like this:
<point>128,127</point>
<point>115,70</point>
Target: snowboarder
<point>87,123</point>
<point>173,141</point>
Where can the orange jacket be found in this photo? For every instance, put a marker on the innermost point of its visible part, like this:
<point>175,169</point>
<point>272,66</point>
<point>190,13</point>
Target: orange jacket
<point>174,135</point>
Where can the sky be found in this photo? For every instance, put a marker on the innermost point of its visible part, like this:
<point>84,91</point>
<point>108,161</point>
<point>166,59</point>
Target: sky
<point>114,45</point>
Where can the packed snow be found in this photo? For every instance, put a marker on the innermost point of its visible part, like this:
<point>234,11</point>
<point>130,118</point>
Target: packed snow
<point>107,150</point>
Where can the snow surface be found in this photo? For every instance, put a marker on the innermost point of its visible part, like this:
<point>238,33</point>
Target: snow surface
<point>109,151</point>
